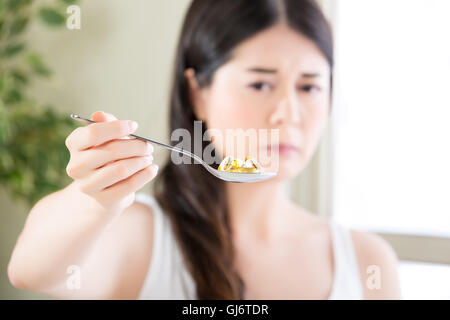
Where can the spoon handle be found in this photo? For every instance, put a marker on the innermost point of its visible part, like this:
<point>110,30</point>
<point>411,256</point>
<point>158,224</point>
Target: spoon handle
<point>78,118</point>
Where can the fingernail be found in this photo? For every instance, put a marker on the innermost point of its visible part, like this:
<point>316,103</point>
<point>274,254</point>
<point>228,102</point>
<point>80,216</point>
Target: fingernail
<point>149,148</point>
<point>133,125</point>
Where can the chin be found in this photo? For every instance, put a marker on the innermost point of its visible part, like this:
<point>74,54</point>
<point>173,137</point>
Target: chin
<point>288,173</point>
<point>288,168</point>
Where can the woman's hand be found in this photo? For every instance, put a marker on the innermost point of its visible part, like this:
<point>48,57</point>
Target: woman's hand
<point>106,166</point>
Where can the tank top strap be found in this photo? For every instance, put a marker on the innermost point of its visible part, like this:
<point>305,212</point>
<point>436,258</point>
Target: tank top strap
<point>154,269</point>
<point>347,279</point>
<point>167,276</point>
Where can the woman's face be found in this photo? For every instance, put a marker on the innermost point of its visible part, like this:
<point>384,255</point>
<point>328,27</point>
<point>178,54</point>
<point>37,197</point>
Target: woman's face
<point>277,79</point>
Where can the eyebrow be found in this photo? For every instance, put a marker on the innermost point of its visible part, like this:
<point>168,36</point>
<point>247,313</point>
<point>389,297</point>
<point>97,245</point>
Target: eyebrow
<point>265,70</point>
<point>261,70</point>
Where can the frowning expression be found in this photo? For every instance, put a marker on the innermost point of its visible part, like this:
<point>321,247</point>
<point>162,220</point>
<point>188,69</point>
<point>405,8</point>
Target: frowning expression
<point>277,79</point>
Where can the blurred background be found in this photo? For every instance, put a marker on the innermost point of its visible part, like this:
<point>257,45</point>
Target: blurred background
<point>382,165</point>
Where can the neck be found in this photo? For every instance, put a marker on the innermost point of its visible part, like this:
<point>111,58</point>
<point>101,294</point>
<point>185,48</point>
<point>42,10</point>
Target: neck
<point>255,208</point>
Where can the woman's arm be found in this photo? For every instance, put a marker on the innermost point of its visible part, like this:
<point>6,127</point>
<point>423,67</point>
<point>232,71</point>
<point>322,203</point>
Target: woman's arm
<point>378,264</point>
<point>68,228</point>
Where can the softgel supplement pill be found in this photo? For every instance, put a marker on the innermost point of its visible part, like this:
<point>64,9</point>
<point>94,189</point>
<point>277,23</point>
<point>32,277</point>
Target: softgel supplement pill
<point>249,165</point>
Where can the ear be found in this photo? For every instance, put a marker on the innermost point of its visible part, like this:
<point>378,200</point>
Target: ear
<point>195,94</point>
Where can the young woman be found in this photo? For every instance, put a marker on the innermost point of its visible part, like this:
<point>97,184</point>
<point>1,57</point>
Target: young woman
<point>264,64</point>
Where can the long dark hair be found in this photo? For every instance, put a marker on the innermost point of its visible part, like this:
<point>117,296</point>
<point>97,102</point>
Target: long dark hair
<point>195,200</point>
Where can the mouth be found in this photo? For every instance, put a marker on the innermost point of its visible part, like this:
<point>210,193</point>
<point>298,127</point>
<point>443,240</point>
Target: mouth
<point>284,149</point>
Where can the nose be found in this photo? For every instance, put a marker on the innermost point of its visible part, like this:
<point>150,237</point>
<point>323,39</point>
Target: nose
<point>287,109</point>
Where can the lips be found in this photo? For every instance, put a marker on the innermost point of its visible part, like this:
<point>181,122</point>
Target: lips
<point>284,149</point>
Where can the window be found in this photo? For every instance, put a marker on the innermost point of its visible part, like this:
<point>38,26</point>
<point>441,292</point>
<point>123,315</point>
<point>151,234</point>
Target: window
<point>392,148</point>
<point>389,148</point>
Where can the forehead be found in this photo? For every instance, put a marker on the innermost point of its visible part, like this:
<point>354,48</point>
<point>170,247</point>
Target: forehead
<point>281,48</point>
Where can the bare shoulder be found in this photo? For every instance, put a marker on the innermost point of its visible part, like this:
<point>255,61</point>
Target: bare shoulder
<point>126,246</point>
<point>378,264</point>
<point>138,211</point>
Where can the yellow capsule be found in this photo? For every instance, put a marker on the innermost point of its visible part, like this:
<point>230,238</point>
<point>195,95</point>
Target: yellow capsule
<point>237,165</point>
<point>248,170</point>
<point>256,165</point>
<point>226,164</point>
<point>248,164</point>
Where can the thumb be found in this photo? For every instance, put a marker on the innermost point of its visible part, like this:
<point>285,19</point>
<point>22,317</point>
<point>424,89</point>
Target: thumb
<point>101,116</point>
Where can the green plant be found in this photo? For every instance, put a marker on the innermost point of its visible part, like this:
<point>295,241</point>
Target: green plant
<point>33,155</point>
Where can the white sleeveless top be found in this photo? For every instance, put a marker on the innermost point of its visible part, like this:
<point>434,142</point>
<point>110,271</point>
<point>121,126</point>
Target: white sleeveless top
<point>168,278</point>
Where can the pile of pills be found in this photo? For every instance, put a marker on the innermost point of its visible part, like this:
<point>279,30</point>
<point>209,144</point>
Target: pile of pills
<point>249,165</point>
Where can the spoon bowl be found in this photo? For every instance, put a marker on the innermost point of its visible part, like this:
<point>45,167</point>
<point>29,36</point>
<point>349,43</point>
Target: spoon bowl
<point>243,177</point>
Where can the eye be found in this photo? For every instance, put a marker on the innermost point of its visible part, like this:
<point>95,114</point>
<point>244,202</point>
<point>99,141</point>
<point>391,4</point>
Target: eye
<point>260,86</point>
<point>309,88</point>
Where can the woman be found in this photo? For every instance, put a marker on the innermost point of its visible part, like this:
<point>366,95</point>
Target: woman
<point>263,64</point>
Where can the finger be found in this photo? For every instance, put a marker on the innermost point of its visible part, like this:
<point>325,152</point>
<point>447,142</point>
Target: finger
<point>115,172</point>
<point>98,133</point>
<point>101,116</point>
<point>131,184</point>
<point>95,158</point>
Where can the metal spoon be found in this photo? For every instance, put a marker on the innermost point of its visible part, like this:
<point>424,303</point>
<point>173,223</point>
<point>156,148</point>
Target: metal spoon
<point>227,176</point>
